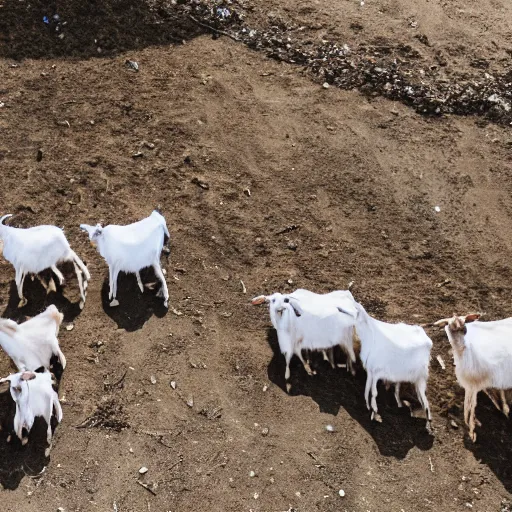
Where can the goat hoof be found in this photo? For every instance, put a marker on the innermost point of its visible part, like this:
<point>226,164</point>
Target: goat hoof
<point>22,302</point>
<point>51,287</point>
<point>376,417</point>
<point>477,423</point>
<point>9,437</point>
<point>47,452</point>
<point>114,303</point>
<point>24,441</point>
<point>288,387</point>
<point>166,304</point>
<point>81,305</point>
<point>472,436</point>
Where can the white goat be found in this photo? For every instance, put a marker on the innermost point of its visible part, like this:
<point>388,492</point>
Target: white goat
<point>34,396</point>
<point>482,352</point>
<point>308,321</point>
<point>393,353</point>
<point>130,249</point>
<point>32,344</point>
<point>35,249</point>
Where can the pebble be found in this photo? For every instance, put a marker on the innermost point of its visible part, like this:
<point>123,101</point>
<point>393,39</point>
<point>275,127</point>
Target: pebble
<point>173,384</point>
<point>265,431</point>
<point>143,470</point>
<point>252,474</point>
<point>437,209</point>
<point>341,492</point>
<point>152,379</point>
<point>453,424</point>
<point>325,85</point>
<point>329,428</point>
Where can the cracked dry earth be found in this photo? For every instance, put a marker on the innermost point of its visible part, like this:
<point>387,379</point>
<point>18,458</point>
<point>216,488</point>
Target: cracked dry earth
<point>236,147</point>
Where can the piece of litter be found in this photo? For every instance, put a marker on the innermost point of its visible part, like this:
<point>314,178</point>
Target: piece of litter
<point>341,492</point>
<point>441,362</point>
<point>244,289</point>
<point>437,209</point>
<point>143,470</point>
<point>329,428</point>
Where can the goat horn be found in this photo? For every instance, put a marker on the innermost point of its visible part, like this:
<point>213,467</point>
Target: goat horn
<point>440,323</point>
<point>5,217</point>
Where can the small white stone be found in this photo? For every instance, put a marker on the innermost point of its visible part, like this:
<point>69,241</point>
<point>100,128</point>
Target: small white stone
<point>265,387</point>
<point>325,85</point>
<point>341,492</point>
<point>329,428</point>
<point>437,209</point>
<point>256,495</point>
<point>143,470</point>
<point>152,379</point>
<point>252,474</point>
<point>173,384</point>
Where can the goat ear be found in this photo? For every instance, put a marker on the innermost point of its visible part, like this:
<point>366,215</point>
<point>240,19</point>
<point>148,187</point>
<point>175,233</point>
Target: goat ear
<point>296,306</point>
<point>472,317</point>
<point>259,300</point>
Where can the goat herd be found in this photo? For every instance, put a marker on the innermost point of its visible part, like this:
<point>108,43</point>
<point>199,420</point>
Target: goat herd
<point>393,353</point>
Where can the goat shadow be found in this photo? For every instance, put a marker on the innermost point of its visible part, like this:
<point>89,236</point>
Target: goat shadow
<point>135,308</point>
<point>38,299</point>
<point>331,389</point>
<point>493,445</point>
<point>16,460</point>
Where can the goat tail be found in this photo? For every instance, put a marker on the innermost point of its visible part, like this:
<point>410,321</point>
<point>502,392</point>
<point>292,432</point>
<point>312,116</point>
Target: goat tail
<point>9,327</point>
<point>57,406</point>
<point>62,358</point>
<point>81,265</point>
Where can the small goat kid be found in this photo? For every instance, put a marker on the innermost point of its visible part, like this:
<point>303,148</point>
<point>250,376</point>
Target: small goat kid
<point>482,353</point>
<point>308,321</point>
<point>34,396</point>
<point>130,249</point>
<point>35,249</point>
<point>394,353</point>
<point>32,344</point>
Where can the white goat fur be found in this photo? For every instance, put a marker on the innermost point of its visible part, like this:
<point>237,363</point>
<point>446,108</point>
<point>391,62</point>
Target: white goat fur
<point>35,249</point>
<point>130,249</point>
<point>393,353</point>
<point>34,396</point>
<point>483,359</point>
<point>32,344</point>
<point>320,325</point>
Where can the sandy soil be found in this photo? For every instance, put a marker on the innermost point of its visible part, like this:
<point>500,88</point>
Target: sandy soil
<point>360,177</point>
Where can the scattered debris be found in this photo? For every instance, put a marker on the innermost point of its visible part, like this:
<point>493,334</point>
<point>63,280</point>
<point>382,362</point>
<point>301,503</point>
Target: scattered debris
<point>431,465</point>
<point>143,470</point>
<point>131,64</point>
<point>265,431</point>
<point>247,192</point>
<point>211,411</point>
<point>173,384</point>
<point>138,154</point>
<point>441,362</point>
<point>200,183</point>
<point>190,402</point>
<point>287,229</point>
<point>177,313</point>
<point>147,487</point>
<point>244,289</point>
<point>444,283</point>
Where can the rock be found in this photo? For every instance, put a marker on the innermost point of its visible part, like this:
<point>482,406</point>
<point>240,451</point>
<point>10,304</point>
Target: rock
<point>454,424</point>
<point>341,492</point>
<point>143,470</point>
<point>325,85</point>
<point>173,384</point>
<point>265,431</point>
<point>190,402</point>
<point>252,474</point>
<point>131,64</point>
<point>200,183</point>
<point>39,156</point>
<point>152,379</point>
<point>329,428</point>
<point>70,327</point>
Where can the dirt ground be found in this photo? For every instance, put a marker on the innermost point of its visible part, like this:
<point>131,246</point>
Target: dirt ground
<point>357,175</point>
